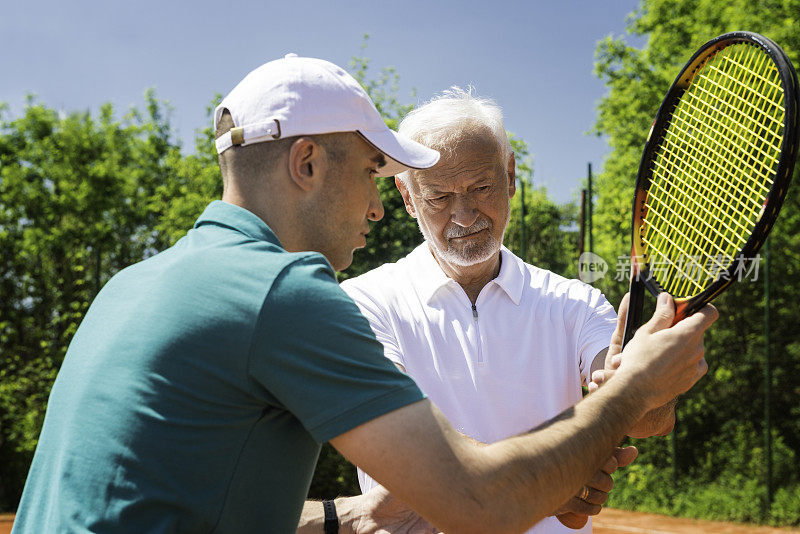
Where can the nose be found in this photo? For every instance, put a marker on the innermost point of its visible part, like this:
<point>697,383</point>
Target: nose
<point>375,210</point>
<point>463,211</point>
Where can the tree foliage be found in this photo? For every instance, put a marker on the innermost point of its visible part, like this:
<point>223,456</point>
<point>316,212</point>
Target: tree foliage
<point>550,234</point>
<point>719,437</point>
<point>75,207</point>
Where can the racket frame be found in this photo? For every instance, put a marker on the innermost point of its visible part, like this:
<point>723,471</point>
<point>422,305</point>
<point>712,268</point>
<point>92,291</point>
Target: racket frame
<point>640,271</point>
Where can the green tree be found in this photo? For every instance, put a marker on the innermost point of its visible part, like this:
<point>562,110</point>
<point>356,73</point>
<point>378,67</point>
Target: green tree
<point>719,436</point>
<point>74,209</point>
<point>551,237</point>
<point>194,182</point>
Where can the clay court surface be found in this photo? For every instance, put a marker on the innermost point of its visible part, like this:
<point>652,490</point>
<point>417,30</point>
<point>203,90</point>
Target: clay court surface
<point>611,521</point>
<point>621,522</point>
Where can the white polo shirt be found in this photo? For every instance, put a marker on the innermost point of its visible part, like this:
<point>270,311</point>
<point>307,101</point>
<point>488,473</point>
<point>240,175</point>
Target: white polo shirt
<point>499,368</point>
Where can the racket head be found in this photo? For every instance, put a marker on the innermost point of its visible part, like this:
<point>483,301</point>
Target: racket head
<point>690,201</point>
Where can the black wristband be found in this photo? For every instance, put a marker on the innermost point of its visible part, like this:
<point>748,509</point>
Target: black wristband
<point>331,519</point>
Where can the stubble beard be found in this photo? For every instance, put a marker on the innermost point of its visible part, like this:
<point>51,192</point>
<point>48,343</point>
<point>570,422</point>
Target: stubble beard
<point>470,252</point>
<point>330,240</point>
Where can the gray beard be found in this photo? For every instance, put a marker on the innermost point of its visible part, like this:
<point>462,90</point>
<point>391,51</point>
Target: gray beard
<point>469,255</point>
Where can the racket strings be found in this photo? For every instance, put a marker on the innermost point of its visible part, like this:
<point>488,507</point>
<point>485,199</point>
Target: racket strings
<point>712,251</point>
<point>702,188</point>
<point>729,149</point>
<point>753,125</point>
<point>713,170</point>
<point>707,242</point>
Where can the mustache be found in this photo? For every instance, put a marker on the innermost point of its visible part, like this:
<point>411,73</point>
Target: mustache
<point>459,231</point>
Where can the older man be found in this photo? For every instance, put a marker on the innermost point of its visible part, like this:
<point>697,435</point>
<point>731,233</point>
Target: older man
<point>197,390</point>
<point>498,345</point>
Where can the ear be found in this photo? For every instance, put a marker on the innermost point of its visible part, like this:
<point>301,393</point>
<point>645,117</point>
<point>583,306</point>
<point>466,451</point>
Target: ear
<point>306,164</point>
<point>406,194</point>
<point>511,170</point>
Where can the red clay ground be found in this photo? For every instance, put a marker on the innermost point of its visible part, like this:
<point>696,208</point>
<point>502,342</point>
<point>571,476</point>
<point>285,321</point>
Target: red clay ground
<point>620,522</point>
<point>611,521</point>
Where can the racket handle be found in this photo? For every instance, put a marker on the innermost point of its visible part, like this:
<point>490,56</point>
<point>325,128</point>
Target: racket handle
<point>635,309</point>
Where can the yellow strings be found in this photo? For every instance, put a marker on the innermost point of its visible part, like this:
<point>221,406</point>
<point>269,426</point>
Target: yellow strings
<point>713,169</point>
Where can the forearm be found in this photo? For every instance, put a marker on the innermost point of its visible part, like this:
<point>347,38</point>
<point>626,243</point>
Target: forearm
<point>533,474</point>
<point>312,519</point>
<point>510,485</point>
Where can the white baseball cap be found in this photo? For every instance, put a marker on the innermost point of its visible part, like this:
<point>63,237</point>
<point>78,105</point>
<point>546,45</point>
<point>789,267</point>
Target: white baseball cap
<point>306,96</point>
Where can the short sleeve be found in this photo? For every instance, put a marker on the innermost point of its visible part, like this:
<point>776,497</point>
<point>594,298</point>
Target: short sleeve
<point>314,354</point>
<point>596,331</point>
<point>376,315</point>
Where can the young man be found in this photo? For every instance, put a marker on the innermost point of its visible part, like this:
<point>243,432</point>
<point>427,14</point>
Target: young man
<point>196,393</point>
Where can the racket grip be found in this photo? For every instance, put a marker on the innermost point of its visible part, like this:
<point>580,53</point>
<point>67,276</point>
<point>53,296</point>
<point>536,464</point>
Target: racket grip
<point>683,310</point>
<point>635,309</point>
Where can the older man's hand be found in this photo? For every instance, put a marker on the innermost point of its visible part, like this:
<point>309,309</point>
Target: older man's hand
<point>379,512</point>
<point>576,511</point>
<point>614,348</point>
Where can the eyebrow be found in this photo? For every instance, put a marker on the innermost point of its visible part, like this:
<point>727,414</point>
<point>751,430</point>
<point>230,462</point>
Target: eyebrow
<point>431,189</point>
<point>379,160</point>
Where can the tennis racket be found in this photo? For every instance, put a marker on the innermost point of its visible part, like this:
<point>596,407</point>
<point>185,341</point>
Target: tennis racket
<point>714,173</point>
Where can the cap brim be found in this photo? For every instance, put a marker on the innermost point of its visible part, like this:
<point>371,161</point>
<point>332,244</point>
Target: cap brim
<point>401,152</point>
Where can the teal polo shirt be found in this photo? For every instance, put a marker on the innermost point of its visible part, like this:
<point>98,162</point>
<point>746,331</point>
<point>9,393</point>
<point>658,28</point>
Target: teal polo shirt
<point>197,390</point>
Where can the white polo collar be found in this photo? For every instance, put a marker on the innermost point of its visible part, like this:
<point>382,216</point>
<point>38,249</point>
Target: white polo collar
<point>432,278</point>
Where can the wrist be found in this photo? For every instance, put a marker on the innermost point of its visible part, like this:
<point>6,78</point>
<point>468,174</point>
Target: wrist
<point>638,384</point>
<point>347,514</point>
<point>628,393</point>
<point>330,523</point>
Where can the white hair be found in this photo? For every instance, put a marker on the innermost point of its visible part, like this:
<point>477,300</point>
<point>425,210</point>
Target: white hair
<point>449,117</point>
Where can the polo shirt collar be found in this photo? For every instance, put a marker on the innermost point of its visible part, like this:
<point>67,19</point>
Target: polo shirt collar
<point>237,218</point>
<point>512,275</point>
<point>432,278</point>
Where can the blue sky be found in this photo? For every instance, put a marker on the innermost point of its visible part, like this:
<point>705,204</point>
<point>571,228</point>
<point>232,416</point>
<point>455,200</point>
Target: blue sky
<point>534,58</point>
